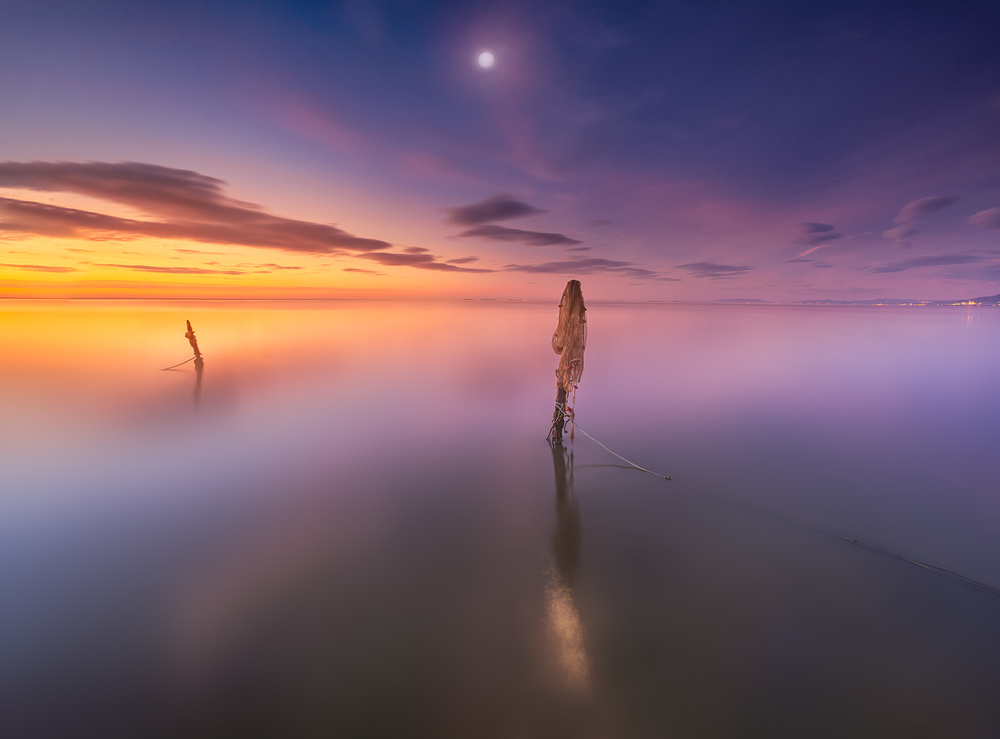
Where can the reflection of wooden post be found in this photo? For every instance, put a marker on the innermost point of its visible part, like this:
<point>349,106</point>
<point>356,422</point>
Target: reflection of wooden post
<point>568,341</point>
<point>199,362</point>
<point>566,541</point>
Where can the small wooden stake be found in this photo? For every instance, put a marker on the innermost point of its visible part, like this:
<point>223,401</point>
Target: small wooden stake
<point>199,362</point>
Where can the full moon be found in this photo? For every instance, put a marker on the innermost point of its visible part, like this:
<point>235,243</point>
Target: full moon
<point>486,60</point>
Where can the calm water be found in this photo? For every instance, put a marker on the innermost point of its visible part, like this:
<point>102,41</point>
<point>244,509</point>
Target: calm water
<point>351,525</point>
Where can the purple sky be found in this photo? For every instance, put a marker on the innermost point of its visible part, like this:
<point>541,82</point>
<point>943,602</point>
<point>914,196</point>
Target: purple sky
<point>667,151</point>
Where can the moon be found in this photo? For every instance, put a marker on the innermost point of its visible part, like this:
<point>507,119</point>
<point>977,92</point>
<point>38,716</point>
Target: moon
<point>486,60</point>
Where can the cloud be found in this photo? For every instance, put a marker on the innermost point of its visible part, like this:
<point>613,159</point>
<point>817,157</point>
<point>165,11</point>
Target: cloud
<point>930,261</point>
<point>417,260</point>
<point>815,228</point>
<point>183,205</point>
<point>588,266</point>
<point>498,208</point>
<point>813,234</point>
<point>989,218</point>
<point>262,266</point>
<point>816,236</point>
<point>924,206</point>
<point>912,212</point>
<point>364,271</point>
<point>463,260</point>
<point>173,270</point>
<point>814,263</point>
<point>40,267</point>
<point>533,238</point>
<point>713,270</point>
<point>898,233</point>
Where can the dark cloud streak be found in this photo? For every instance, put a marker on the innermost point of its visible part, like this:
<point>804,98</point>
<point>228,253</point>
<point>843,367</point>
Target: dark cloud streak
<point>417,260</point>
<point>532,238</point>
<point>192,205</point>
<point>924,206</point>
<point>40,267</point>
<point>173,270</point>
<point>498,208</point>
<point>816,234</point>
<point>942,260</point>
<point>585,267</point>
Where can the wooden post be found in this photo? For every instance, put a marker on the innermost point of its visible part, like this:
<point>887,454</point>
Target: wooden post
<point>568,341</point>
<point>199,362</point>
<point>558,416</point>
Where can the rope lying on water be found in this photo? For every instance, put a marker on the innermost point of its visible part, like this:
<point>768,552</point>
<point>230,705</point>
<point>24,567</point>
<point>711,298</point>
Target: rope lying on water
<point>178,364</point>
<point>942,571</point>
<point>632,464</point>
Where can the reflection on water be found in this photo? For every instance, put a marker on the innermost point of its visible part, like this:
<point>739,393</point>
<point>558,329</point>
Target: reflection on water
<point>345,539</point>
<point>199,370</point>
<point>564,617</point>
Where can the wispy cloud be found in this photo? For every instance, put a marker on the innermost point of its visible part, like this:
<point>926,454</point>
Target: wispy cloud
<point>173,270</point>
<point>199,251</point>
<point>269,267</point>
<point>941,260</point>
<point>816,236</point>
<point>363,271</point>
<point>815,233</point>
<point>497,208</point>
<point>533,238</point>
<point>814,263</point>
<point>989,218</point>
<point>184,205</point>
<point>919,208</point>
<point>714,271</point>
<point>586,267</point>
<point>418,260</point>
<point>40,267</point>
<point>899,233</point>
<point>912,212</point>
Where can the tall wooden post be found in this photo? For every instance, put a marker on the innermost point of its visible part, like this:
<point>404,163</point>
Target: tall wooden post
<point>569,342</point>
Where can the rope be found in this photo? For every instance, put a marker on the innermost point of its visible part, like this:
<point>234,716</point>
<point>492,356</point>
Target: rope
<point>178,364</point>
<point>630,463</point>
<point>944,572</point>
<point>571,415</point>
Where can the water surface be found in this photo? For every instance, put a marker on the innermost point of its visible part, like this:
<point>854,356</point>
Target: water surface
<point>351,525</point>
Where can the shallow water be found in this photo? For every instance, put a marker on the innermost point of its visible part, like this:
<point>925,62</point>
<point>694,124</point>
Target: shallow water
<point>352,525</point>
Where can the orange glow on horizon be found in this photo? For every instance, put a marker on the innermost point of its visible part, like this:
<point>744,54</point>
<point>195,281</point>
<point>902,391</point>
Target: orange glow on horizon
<point>153,268</point>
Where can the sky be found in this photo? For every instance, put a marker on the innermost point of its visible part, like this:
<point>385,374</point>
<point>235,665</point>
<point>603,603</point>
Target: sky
<point>744,150</point>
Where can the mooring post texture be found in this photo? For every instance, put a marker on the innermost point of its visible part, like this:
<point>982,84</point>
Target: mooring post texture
<point>569,342</point>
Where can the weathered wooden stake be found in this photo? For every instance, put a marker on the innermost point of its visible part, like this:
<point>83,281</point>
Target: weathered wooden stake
<point>568,341</point>
<point>199,362</point>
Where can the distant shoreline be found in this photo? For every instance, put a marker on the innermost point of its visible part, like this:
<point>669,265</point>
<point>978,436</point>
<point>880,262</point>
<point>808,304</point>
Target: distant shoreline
<point>992,301</point>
